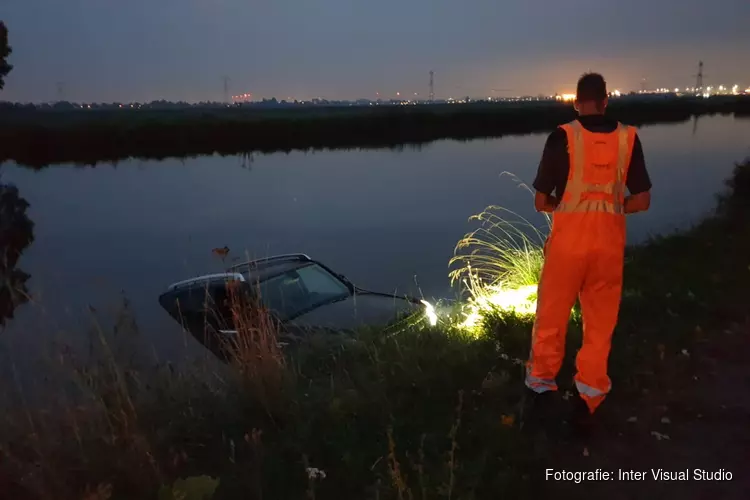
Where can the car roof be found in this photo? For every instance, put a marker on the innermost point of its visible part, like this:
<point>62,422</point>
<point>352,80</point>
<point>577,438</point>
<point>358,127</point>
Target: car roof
<point>262,269</point>
<point>261,273</point>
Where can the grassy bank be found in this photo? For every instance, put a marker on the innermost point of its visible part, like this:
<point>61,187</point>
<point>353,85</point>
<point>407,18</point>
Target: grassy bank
<point>430,413</point>
<point>38,138</point>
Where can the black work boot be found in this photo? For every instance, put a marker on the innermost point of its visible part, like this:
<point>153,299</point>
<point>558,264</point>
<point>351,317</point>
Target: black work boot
<point>581,419</point>
<point>541,410</point>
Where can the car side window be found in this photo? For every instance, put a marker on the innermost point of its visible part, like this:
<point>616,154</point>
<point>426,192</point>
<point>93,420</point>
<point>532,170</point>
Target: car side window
<point>283,294</point>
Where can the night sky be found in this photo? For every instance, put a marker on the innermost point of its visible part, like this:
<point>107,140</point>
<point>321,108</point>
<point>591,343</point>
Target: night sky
<point>140,50</point>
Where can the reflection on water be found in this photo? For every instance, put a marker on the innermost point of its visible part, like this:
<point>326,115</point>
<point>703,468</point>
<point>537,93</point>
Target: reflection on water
<point>389,220</point>
<point>16,234</point>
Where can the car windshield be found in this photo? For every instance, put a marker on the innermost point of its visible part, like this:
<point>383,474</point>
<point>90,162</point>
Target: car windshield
<point>301,289</point>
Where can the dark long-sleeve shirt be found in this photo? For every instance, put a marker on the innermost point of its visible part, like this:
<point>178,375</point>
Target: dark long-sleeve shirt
<point>555,164</point>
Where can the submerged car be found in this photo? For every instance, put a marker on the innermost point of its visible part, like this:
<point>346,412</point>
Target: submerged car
<point>301,293</point>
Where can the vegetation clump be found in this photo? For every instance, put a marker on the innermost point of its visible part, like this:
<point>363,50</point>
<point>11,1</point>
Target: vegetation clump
<point>499,264</point>
<point>429,412</point>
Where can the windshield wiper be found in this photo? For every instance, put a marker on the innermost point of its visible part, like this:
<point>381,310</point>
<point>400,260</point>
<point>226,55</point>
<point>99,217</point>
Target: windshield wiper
<point>316,305</point>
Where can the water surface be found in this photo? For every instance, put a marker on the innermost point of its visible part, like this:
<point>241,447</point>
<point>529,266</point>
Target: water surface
<point>389,220</point>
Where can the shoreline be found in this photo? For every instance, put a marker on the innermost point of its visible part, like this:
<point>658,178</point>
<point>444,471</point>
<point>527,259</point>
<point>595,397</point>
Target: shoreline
<point>425,413</point>
<point>38,138</point>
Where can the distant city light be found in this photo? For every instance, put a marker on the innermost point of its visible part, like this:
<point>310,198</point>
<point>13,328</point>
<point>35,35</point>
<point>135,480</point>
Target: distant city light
<point>410,97</point>
<point>247,97</point>
<point>566,97</point>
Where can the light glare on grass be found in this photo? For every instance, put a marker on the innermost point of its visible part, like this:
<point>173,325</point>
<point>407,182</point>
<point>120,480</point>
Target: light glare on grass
<point>520,300</point>
<point>430,313</point>
<point>500,264</point>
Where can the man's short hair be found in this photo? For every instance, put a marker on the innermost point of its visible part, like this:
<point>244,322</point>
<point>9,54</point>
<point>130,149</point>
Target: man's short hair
<point>591,87</point>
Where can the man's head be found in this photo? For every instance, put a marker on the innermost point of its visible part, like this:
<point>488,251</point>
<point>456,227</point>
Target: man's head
<point>591,94</point>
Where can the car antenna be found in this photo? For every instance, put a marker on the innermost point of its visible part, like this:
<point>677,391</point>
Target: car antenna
<point>418,287</point>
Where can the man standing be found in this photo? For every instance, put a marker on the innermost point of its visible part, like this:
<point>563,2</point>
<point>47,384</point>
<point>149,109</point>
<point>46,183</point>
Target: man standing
<point>588,163</point>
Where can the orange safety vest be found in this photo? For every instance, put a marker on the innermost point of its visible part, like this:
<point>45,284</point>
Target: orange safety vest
<point>594,195</point>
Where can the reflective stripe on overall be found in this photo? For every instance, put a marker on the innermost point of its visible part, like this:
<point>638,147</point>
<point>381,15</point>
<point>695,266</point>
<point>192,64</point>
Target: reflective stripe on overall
<point>584,260</point>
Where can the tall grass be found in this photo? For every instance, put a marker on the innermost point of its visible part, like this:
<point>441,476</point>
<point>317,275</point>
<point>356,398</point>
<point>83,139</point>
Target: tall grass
<point>52,443</point>
<point>108,417</point>
<point>500,263</point>
<point>426,414</point>
<point>255,350</point>
<point>505,251</point>
<point>118,426</point>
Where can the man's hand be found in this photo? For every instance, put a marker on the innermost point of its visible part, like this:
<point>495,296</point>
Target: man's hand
<point>637,202</point>
<point>545,202</point>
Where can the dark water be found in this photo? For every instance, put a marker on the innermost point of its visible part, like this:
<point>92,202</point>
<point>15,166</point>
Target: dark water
<point>386,219</point>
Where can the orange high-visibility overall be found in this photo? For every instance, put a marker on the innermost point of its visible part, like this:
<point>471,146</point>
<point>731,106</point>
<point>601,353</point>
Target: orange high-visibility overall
<point>584,259</point>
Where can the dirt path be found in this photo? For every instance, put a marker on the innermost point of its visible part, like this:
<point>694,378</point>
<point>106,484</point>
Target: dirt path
<point>699,404</point>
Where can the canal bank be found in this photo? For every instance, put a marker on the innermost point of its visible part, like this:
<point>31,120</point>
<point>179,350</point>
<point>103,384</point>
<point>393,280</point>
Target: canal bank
<point>425,413</point>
